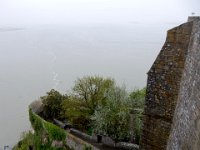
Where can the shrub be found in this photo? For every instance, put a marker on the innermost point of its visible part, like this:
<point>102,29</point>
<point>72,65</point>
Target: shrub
<point>52,104</point>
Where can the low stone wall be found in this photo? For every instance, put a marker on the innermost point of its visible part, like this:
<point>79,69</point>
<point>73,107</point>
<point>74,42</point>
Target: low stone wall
<point>83,135</point>
<point>106,141</point>
<point>77,144</point>
<point>127,146</point>
<point>46,131</point>
<point>42,126</point>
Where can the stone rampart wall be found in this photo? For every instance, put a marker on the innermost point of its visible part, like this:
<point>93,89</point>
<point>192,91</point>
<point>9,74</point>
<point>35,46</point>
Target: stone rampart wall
<point>185,133</point>
<point>173,83</point>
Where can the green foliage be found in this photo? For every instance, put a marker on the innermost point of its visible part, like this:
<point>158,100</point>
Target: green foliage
<point>54,132</point>
<point>89,93</point>
<point>33,141</point>
<point>92,91</point>
<point>45,129</point>
<point>96,104</point>
<point>35,122</point>
<point>26,141</point>
<point>137,98</point>
<point>90,131</point>
<point>52,104</point>
<point>138,123</point>
<point>76,112</point>
<point>113,118</point>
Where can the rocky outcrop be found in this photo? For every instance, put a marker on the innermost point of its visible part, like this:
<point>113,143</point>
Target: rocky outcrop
<point>168,80</point>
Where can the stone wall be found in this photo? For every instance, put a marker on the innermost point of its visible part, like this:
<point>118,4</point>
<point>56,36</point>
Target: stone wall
<point>164,85</point>
<point>77,144</point>
<point>185,133</point>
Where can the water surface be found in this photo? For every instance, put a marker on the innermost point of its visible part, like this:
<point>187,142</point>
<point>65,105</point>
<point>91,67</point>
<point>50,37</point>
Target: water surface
<point>34,59</point>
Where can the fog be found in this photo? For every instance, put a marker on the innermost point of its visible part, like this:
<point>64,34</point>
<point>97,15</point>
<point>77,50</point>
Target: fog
<point>47,44</point>
<point>30,12</point>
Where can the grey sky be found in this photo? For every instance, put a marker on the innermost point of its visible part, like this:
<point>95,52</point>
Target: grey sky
<point>20,12</point>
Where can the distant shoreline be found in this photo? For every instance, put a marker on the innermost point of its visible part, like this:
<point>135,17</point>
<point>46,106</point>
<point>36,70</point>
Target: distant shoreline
<point>7,29</point>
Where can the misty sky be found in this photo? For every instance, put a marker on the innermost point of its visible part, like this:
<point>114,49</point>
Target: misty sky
<point>111,38</point>
<point>29,12</point>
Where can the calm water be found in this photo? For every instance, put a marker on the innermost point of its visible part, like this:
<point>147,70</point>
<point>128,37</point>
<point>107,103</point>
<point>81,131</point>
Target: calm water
<point>35,59</point>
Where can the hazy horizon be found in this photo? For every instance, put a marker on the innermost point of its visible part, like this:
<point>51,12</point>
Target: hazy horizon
<point>47,44</point>
<point>32,12</point>
<point>42,58</point>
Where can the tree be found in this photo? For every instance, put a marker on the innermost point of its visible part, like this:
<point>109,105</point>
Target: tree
<point>76,113</point>
<point>92,91</point>
<point>88,93</point>
<point>137,99</point>
<point>52,104</point>
<point>113,118</point>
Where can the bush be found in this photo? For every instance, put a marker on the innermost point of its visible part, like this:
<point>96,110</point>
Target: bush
<point>27,141</point>
<point>52,104</point>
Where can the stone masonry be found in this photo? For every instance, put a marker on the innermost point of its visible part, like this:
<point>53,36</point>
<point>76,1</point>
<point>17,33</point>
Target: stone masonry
<point>185,132</point>
<point>172,80</point>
